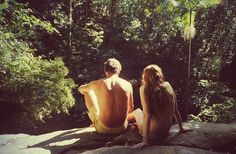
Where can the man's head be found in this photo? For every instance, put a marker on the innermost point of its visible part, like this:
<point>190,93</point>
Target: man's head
<point>112,66</point>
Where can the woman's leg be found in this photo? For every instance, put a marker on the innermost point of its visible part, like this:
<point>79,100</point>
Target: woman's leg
<point>137,115</point>
<point>131,117</point>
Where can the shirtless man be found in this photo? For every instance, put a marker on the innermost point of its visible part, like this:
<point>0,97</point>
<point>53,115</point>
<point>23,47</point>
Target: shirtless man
<point>109,100</point>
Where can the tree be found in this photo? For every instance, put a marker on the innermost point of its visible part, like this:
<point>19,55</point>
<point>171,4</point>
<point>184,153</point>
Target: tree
<point>189,9</point>
<point>31,87</point>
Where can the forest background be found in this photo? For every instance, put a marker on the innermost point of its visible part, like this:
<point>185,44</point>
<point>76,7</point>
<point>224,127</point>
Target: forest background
<point>49,47</point>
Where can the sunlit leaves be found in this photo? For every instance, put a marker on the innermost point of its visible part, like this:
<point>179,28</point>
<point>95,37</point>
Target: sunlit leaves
<point>20,20</point>
<point>95,32</point>
<point>132,31</point>
<point>189,22</point>
<point>38,84</point>
<point>213,106</point>
<point>209,3</point>
<point>190,7</point>
<point>175,3</point>
<point>189,32</point>
<point>4,5</point>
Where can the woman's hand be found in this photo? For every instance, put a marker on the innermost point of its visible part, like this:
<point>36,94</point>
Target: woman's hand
<point>182,130</point>
<point>140,145</point>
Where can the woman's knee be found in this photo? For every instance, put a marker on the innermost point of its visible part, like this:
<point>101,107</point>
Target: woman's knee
<point>138,111</point>
<point>138,114</point>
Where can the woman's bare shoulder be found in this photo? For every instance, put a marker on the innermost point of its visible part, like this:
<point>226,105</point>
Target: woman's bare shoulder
<point>141,87</point>
<point>167,86</point>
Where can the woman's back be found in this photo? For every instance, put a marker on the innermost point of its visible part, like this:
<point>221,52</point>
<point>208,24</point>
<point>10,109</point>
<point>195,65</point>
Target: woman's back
<point>159,105</point>
<point>162,110</point>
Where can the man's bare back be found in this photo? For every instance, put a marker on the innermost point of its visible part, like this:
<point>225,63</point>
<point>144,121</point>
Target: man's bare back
<point>113,96</point>
<point>109,100</point>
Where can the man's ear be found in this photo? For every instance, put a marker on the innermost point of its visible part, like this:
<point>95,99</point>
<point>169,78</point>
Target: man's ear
<point>105,73</point>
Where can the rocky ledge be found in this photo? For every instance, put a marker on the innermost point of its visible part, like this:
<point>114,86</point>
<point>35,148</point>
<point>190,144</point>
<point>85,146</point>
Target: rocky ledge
<point>205,138</point>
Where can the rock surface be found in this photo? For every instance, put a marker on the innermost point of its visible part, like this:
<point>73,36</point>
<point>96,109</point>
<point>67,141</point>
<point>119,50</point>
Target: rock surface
<point>205,138</point>
<point>148,150</point>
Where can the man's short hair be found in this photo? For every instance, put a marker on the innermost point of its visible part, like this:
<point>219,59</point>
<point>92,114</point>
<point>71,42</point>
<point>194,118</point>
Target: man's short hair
<point>112,65</point>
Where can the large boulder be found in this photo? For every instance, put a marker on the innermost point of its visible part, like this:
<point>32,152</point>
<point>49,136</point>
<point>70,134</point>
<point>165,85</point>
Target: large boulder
<point>209,136</point>
<point>148,150</point>
<point>205,138</point>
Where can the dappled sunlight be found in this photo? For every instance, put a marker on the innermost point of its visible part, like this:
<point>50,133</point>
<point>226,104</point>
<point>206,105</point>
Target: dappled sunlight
<point>192,125</point>
<point>87,130</point>
<point>204,136</point>
<point>174,129</point>
<point>63,143</point>
<point>195,125</point>
<point>68,64</point>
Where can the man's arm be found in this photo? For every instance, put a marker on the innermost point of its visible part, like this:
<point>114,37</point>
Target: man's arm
<point>86,87</point>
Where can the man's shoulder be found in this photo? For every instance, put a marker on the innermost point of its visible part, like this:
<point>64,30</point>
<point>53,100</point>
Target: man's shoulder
<point>123,81</point>
<point>126,85</point>
<point>96,82</point>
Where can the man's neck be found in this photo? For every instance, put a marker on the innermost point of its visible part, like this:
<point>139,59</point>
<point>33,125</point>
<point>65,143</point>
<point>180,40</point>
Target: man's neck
<point>112,75</point>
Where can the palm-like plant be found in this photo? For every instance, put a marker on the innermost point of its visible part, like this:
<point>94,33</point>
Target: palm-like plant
<point>188,9</point>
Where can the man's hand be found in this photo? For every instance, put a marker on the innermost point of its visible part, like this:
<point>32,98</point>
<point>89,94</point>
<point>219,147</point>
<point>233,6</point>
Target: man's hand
<point>140,145</point>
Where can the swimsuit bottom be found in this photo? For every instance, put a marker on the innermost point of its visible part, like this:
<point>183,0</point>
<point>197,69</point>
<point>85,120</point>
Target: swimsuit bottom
<point>100,127</point>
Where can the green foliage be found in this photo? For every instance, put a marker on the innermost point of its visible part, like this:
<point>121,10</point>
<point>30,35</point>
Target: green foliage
<point>187,10</point>
<point>213,98</point>
<point>20,20</point>
<point>137,32</point>
<point>133,31</point>
<point>35,86</point>
<point>38,86</point>
<point>223,113</point>
<point>208,3</point>
<point>214,104</point>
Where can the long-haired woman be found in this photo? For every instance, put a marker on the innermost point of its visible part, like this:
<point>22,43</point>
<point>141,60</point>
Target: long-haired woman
<point>159,105</point>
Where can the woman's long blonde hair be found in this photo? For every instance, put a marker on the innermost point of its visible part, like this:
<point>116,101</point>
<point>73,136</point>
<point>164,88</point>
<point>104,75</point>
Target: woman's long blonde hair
<point>152,79</point>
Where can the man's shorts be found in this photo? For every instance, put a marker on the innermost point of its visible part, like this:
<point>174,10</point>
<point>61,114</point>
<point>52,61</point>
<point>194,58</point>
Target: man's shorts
<point>100,127</point>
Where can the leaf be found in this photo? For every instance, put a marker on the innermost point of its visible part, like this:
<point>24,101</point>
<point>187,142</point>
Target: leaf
<point>174,2</point>
<point>4,5</point>
<point>209,3</point>
<point>189,18</point>
<point>189,29</point>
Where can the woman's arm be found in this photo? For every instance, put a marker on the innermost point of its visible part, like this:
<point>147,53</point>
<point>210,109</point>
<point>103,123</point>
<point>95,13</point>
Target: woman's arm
<point>146,120</point>
<point>177,114</point>
<point>179,121</point>
<point>178,117</point>
<point>131,101</point>
<point>146,116</point>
